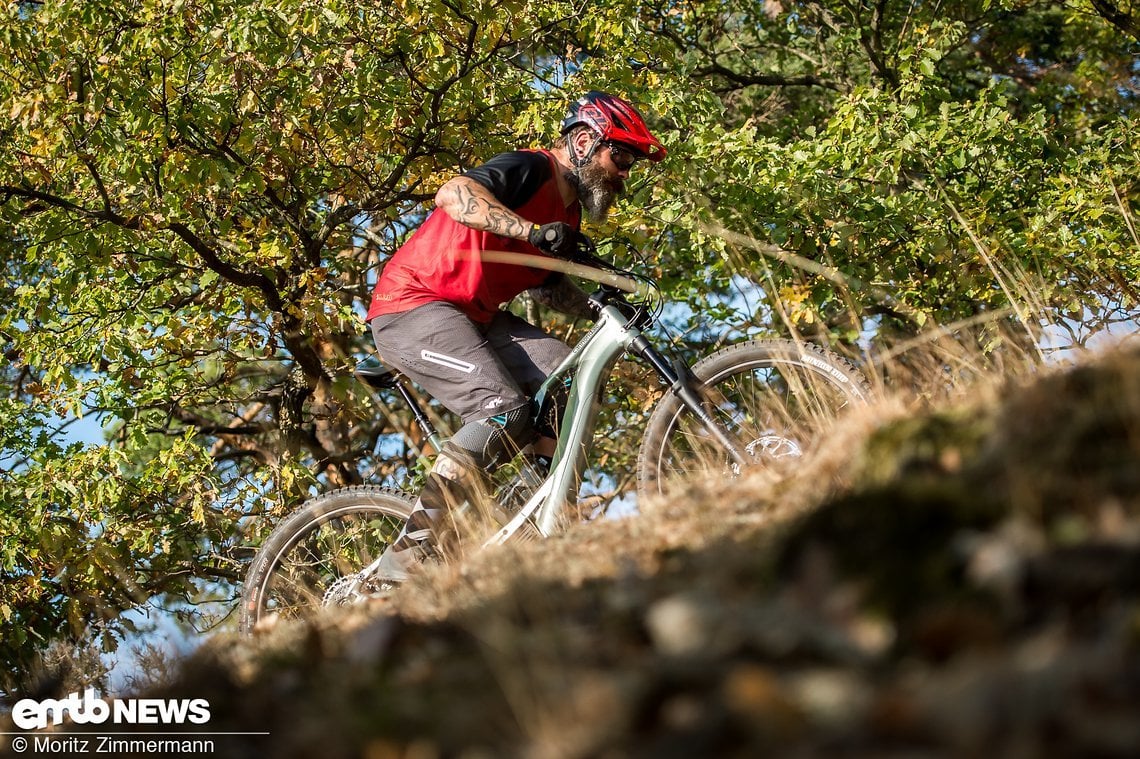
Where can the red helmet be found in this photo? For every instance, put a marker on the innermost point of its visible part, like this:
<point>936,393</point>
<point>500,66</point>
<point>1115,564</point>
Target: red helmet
<point>615,121</point>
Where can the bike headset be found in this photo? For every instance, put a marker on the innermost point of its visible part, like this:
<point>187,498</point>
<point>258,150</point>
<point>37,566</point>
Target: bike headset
<point>611,120</point>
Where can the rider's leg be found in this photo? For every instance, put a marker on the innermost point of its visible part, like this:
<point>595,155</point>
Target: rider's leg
<point>543,449</point>
<point>474,370</point>
<point>457,483</point>
<point>531,355</point>
<point>454,480</point>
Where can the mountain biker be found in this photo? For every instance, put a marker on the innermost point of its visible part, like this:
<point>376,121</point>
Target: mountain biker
<point>435,312</point>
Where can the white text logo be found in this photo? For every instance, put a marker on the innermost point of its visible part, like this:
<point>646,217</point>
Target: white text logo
<point>29,714</point>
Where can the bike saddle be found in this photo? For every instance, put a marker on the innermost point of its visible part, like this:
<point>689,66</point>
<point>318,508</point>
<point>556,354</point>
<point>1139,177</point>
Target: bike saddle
<point>375,373</point>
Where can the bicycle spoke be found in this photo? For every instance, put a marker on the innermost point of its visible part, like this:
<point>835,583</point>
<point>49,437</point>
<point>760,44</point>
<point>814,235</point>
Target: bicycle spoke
<point>313,559</point>
<point>773,402</point>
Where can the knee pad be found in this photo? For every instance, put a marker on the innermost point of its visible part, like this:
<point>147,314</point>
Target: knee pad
<point>553,406</point>
<point>487,440</point>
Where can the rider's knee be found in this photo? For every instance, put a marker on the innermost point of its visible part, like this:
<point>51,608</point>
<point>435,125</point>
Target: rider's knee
<point>553,407</point>
<point>494,440</point>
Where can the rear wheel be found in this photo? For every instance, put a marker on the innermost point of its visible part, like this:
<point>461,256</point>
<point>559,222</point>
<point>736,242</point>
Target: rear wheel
<point>313,559</point>
<point>776,397</point>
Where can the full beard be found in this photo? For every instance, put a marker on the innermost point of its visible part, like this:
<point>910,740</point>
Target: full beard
<point>596,191</point>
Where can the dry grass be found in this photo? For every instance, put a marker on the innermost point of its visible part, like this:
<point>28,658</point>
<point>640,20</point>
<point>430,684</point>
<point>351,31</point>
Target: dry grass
<point>952,572</point>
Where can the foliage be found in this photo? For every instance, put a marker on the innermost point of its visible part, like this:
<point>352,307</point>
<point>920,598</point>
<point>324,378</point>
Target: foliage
<point>195,196</point>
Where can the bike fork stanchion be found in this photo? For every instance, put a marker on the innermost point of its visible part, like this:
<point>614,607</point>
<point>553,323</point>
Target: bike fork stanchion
<point>684,385</point>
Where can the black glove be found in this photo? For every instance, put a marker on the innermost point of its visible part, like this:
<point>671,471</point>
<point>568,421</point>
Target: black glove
<point>556,238</point>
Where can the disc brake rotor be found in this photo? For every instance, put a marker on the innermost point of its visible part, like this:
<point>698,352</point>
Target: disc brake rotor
<point>774,447</point>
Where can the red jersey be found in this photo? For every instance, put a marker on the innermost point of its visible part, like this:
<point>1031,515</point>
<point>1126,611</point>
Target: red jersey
<point>440,261</point>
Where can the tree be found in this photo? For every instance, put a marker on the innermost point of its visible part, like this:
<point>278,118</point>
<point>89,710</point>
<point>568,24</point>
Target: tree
<point>196,195</point>
<point>931,162</point>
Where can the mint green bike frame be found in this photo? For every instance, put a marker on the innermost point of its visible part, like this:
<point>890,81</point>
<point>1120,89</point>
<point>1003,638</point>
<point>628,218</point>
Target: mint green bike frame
<point>588,366</point>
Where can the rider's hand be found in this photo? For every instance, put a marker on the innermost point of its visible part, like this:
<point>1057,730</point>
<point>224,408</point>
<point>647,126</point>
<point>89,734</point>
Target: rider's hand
<point>556,238</point>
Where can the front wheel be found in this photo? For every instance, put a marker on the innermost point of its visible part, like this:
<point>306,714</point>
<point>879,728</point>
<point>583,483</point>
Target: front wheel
<point>314,558</point>
<point>775,397</point>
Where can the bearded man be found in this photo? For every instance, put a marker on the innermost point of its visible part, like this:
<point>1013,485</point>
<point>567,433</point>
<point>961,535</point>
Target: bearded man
<point>436,311</point>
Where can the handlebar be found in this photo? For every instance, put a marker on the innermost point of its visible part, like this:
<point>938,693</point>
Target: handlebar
<point>614,293</point>
<point>615,283</point>
<point>587,255</point>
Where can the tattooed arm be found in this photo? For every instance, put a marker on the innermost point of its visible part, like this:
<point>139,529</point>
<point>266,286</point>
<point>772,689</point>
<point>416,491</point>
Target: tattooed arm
<point>473,205</point>
<point>565,297</point>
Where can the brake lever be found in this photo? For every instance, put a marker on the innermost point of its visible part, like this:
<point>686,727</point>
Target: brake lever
<point>586,253</point>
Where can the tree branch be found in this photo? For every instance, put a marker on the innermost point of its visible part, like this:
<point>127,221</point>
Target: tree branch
<point>1125,21</point>
<point>226,270</point>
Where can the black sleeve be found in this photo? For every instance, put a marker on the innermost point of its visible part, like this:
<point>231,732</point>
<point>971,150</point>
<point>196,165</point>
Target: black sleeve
<point>514,177</point>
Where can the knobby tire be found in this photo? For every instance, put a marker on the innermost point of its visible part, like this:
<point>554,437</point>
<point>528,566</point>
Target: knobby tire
<point>330,537</point>
<point>776,397</point>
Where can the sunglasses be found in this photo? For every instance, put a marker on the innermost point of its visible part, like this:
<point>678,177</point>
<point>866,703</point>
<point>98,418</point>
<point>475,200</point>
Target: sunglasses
<point>623,157</point>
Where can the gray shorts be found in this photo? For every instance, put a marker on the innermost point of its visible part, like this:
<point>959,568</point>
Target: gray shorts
<point>476,370</point>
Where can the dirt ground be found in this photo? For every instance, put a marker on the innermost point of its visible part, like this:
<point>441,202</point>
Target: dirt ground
<point>959,583</point>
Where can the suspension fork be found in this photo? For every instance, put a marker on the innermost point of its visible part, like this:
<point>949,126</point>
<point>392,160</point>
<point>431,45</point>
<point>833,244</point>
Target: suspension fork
<point>686,387</point>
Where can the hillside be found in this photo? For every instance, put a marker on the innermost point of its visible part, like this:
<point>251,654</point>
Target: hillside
<point>957,583</point>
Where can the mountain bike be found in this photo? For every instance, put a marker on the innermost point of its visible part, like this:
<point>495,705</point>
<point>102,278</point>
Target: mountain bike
<point>754,403</point>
